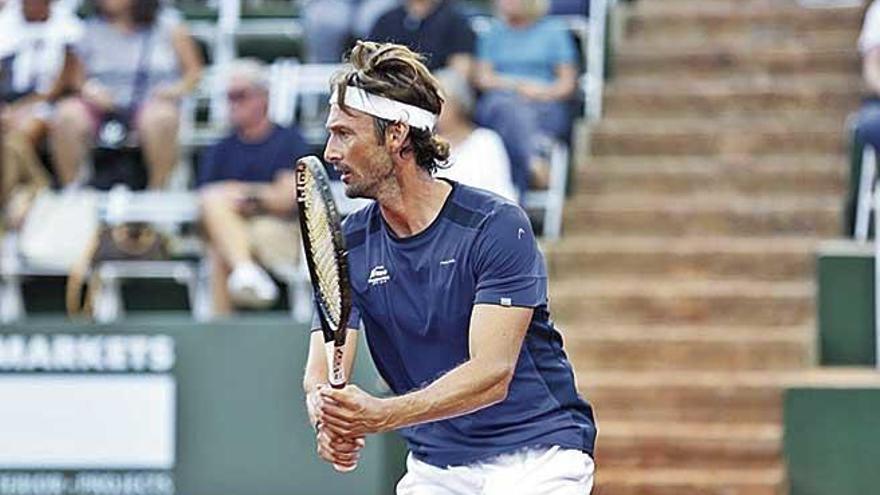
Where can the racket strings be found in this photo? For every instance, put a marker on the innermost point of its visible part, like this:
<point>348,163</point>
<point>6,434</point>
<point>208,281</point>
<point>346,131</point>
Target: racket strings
<point>323,252</point>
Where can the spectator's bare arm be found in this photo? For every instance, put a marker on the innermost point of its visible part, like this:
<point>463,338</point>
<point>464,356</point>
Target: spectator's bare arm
<point>190,62</point>
<point>871,70</point>
<point>560,89</point>
<point>487,79</point>
<point>278,197</point>
<point>463,63</point>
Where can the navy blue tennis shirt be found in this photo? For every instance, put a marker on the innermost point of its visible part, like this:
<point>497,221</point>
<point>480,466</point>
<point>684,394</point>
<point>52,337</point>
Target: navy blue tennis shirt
<point>415,296</point>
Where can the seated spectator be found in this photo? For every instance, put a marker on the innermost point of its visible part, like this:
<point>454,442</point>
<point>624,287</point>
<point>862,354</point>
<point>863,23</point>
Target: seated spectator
<point>134,64</point>
<point>868,125</point>
<point>331,25</point>
<point>570,7</point>
<point>246,184</point>
<point>434,28</point>
<point>527,70</point>
<point>22,176</point>
<point>477,155</point>
<point>35,62</point>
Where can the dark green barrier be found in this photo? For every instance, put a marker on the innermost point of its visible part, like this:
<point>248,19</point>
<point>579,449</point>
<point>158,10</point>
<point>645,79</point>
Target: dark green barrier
<point>846,304</point>
<point>241,424</point>
<point>832,442</point>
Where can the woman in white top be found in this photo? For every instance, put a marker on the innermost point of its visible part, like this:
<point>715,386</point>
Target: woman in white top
<point>478,157</point>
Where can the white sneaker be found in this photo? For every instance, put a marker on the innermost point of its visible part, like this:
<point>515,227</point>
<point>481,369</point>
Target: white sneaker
<point>250,286</point>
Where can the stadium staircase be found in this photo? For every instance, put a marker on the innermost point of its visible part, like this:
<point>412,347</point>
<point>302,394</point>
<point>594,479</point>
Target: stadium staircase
<point>684,282</point>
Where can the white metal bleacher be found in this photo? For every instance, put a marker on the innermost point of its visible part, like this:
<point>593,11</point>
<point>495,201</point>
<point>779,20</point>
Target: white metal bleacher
<point>167,210</point>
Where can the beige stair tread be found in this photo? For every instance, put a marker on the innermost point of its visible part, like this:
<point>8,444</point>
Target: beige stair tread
<point>844,377</point>
<point>708,167</point>
<point>702,202</point>
<point>713,477</point>
<point>712,165</point>
<point>682,334</point>
<point>769,433</point>
<point>585,242</point>
<point>733,86</point>
<point>754,122</point>
<point>739,48</point>
<point>679,82</point>
<point>612,285</point>
<point>736,8</point>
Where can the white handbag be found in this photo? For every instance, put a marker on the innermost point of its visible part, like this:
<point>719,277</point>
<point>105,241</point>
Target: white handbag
<point>58,229</point>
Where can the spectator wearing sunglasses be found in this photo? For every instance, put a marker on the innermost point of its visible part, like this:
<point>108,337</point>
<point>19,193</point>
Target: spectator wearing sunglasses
<point>245,184</point>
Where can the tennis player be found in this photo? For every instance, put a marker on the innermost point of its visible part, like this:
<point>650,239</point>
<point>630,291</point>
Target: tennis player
<point>451,290</point>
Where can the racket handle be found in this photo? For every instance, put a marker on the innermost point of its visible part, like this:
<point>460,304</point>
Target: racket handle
<point>335,364</point>
<point>336,372</point>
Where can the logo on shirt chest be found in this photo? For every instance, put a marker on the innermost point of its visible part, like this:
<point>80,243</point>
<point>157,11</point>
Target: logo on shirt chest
<point>378,276</point>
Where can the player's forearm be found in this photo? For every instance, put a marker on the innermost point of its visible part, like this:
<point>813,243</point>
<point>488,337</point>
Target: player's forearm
<point>316,372</point>
<point>468,388</point>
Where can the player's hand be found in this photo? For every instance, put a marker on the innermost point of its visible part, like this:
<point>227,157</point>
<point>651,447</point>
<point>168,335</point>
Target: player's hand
<point>343,453</point>
<point>351,412</point>
<point>313,399</point>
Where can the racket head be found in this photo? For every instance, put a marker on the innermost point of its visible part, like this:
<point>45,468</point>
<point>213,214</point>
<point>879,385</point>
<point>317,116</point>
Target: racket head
<point>324,245</point>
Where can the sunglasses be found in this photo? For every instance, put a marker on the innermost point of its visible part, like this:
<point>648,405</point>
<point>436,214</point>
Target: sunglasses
<point>238,95</point>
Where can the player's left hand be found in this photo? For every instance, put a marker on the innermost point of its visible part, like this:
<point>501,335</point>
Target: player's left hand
<point>351,412</point>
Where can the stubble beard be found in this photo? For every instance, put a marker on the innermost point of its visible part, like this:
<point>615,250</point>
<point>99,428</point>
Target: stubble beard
<point>374,180</point>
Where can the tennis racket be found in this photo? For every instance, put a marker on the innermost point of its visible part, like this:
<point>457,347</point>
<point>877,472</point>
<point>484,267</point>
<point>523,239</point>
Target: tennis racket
<point>325,252</point>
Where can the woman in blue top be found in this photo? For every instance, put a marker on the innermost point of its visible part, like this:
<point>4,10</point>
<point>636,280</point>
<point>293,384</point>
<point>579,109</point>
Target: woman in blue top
<point>527,70</point>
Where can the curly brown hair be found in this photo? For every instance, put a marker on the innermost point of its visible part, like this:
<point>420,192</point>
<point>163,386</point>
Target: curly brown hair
<point>396,72</point>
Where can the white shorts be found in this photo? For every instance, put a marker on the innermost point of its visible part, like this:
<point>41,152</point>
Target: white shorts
<point>531,471</point>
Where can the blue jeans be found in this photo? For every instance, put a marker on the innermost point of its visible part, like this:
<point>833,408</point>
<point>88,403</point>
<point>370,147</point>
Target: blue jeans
<point>868,123</point>
<point>523,125</point>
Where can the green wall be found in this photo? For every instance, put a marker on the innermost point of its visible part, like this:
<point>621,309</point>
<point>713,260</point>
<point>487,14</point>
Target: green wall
<point>241,420</point>
<point>832,441</point>
<point>845,272</point>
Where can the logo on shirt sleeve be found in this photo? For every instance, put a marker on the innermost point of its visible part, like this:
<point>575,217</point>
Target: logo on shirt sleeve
<point>378,275</point>
<point>505,301</point>
<point>520,233</point>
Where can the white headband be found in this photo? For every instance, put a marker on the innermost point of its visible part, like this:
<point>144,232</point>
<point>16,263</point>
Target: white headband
<point>386,108</point>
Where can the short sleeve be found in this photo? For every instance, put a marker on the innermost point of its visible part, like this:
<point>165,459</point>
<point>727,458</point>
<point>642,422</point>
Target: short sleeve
<point>508,266</point>
<point>354,319</point>
<point>870,36</point>
<point>207,166</point>
<point>485,44</point>
<point>82,47</point>
<point>562,49</point>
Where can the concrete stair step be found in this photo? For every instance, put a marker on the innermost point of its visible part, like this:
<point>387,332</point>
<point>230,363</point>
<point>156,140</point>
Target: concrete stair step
<point>649,445</point>
<point>690,481</point>
<point>765,21</point>
<point>789,94</point>
<point>737,58</point>
<point>703,216</point>
<point>702,302</point>
<point>740,397</point>
<point>684,347</point>
<point>820,174</point>
<point>582,256</point>
<point>684,396</point>
<point>679,81</point>
<point>730,136</point>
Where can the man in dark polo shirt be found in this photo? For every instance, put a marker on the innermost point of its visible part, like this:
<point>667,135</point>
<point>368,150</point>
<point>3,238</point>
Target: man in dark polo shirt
<point>247,203</point>
<point>434,28</point>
